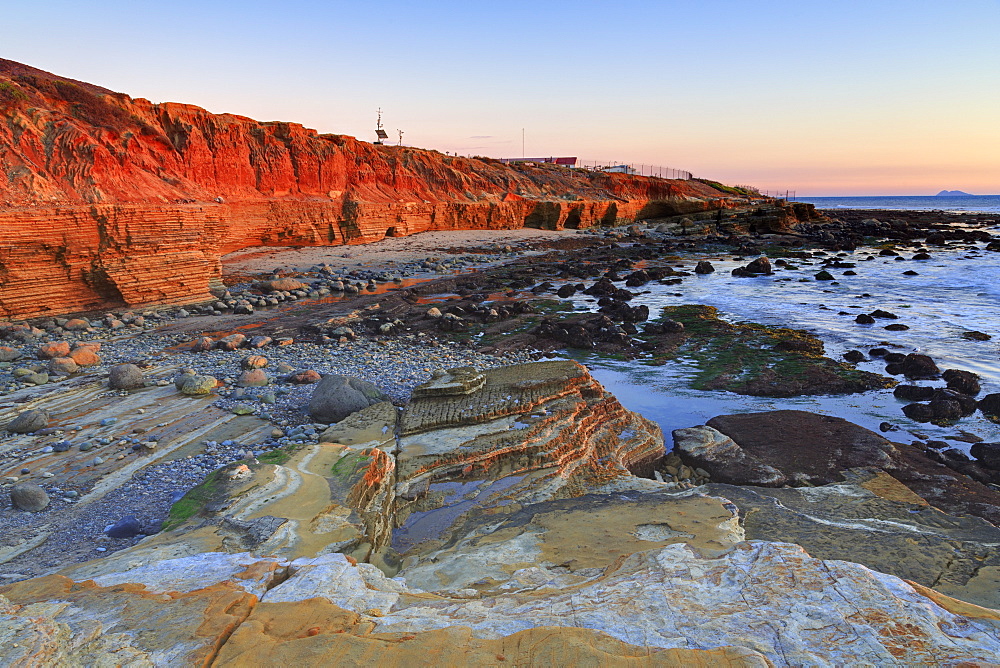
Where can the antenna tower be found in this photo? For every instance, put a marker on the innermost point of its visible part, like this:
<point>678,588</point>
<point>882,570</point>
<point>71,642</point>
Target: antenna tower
<point>380,134</point>
<point>400,136</point>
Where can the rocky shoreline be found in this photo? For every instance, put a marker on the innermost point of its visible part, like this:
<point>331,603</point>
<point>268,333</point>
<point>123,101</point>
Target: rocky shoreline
<point>477,474</point>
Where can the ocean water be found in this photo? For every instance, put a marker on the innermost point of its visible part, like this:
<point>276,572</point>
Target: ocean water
<point>957,290</point>
<point>971,203</point>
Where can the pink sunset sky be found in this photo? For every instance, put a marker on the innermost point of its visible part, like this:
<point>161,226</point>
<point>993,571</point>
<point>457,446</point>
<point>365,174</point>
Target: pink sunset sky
<point>851,98</point>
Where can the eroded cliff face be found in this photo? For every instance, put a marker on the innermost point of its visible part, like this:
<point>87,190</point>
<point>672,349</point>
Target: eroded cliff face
<point>109,200</point>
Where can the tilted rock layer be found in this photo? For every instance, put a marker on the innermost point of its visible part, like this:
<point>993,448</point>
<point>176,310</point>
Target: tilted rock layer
<point>504,505</point>
<point>109,199</point>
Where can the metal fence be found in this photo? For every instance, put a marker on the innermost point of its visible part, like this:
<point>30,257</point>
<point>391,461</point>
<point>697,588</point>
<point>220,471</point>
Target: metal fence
<point>612,166</point>
<point>788,195</point>
<point>639,169</point>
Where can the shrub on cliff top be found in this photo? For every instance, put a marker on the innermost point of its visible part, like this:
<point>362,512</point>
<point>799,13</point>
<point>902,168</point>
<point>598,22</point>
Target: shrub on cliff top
<point>11,94</point>
<point>90,107</point>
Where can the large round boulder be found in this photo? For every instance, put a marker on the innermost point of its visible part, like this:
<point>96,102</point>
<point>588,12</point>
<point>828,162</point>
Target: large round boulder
<point>85,355</point>
<point>253,362</point>
<point>194,385</point>
<point>281,285</point>
<point>29,496</point>
<point>231,342</point>
<point>919,366</point>
<point>47,351</point>
<point>336,397</point>
<point>965,382</point>
<point>8,354</point>
<point>29,421</point>
<point>252,378</point>
<point>125,377</point>
<point>63,366</point>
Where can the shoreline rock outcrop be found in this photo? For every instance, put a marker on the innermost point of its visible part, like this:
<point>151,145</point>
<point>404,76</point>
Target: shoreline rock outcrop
<point>502,513</point>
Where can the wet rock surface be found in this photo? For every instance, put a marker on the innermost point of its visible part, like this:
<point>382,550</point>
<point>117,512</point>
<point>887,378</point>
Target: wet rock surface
<point>474,510</point>
<point>807,448</point>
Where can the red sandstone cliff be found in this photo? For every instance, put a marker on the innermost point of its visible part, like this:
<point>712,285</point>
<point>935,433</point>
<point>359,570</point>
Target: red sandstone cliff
<point>109,200</point>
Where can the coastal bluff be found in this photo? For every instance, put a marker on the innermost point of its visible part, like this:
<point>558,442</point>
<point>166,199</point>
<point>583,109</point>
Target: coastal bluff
<point>110,200</point>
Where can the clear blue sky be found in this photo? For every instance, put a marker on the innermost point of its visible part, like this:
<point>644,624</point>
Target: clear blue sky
<point>876,97</point>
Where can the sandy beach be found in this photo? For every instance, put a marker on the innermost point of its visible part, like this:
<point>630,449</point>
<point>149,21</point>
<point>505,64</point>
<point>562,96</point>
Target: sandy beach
<point>399,250</point>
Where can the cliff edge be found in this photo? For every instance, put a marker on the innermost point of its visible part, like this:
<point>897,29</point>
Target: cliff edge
<point>110,200</point>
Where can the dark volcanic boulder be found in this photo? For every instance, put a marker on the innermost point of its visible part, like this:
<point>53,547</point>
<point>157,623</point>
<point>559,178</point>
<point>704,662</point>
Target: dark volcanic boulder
<point>704,267</point>
<point>968,404</point>
<point>990,405</point>
<point>987,454</point>
<point>810,448</point>
<point>913,393</point>
<point>723,459</point>
<point>965,382</point>
<point>336,397</point>
<point>29,496</point>
<point>566,291</point>
<point>938,409</point>
<point>125,377</point>
<point>760,266</point>
<point>126,527</point>
<point>919,412</point>
<point>919,366</point>
<point>805,447</point>
<point>29,421</point>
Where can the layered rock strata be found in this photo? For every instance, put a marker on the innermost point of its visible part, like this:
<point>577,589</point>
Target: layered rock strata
<point>505,506</point>
<point>111,200</point>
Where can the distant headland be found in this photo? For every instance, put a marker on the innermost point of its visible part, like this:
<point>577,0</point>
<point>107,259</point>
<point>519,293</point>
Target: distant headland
<point>954,193</point>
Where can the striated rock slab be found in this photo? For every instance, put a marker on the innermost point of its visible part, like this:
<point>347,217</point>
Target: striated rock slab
<point>559,543</point>
<point>513,528</point>
<point>55,621</point>
<point>565,417</point>
<point>543,430</point>
<point>531,433</point>
<point>758,604</point>
<point>316,631</point>
<point>874,520</point>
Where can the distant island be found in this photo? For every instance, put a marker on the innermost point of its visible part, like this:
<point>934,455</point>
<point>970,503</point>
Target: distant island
<point>954,193</point>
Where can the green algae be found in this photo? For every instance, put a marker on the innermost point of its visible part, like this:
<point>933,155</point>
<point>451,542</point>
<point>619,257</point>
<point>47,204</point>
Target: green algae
<point>193,502</point>
<point>755,359</point>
